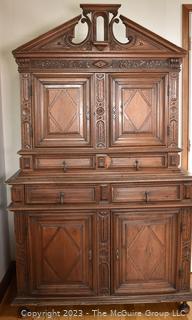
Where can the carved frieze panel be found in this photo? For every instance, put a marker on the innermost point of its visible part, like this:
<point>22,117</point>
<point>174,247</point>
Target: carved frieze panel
<point>107,64</point>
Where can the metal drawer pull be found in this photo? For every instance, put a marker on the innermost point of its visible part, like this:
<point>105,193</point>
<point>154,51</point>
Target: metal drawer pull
<point>146,196</point>
<point>117,254</point>
<point>64,166</point>
<point>62,197</point>
<point>136,165</point>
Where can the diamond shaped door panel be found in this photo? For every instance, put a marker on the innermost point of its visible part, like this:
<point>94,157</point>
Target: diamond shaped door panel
<point>61,254</point>
<point>138,110</point>
<point>62,111</point>
<point>146,247</point>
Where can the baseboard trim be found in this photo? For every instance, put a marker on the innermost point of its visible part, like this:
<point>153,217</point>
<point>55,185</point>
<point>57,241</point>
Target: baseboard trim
<point>5,282</point>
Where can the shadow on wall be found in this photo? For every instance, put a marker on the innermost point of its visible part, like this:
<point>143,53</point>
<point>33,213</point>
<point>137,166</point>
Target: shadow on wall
<point>4,229</point>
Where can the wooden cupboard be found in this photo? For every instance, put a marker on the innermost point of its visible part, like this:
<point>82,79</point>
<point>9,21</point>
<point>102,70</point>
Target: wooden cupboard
<point>102,207</point>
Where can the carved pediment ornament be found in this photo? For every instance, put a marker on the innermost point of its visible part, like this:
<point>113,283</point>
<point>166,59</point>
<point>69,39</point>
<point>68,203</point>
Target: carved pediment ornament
<point>110,42</point>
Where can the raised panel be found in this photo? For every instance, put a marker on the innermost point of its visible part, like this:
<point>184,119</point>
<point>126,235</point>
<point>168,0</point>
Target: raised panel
<point>61,254</point>
<point>146,193</point>
<point>139,109</point>
<point>62,110</point>
<point>138,162</point>
<point>43,194</point>
<point>64,162</point>
<point>146,245</point>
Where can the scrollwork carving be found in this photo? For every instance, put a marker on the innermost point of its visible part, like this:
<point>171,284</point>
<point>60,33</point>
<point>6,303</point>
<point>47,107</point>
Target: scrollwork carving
<point>26,125</point>
<point>173,110</point>
<point>21,255</point>
<point>100,112</point>
<point>122,64</point>
<point>185,261</point>
<point>103,232</point>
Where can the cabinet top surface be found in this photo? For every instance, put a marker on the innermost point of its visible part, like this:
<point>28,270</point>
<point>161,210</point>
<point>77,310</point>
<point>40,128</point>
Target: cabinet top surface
<point>98,177</point>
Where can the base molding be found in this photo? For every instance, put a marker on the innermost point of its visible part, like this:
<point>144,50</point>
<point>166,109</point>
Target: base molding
<point>5,282</point>
<point>102,300</point>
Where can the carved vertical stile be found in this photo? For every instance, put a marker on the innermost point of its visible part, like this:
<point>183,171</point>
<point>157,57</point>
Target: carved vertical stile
<point>21,252</point>
<point>103,231</point>
<point>185,249</point>
<point>100,110</point>
<point>173,110</point>
<point>26,103</point>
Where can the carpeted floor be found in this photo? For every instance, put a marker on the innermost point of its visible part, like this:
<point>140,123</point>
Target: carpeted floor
<point>136,312</point>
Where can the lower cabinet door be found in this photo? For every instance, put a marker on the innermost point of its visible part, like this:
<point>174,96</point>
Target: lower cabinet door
<point>61,253</point>
<point>144,248</point>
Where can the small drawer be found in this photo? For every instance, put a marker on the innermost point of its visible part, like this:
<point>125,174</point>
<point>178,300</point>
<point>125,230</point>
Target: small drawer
<point>59,194</point>
<point>138,162</point>
<point>65,163</point>
<point>146,193</point>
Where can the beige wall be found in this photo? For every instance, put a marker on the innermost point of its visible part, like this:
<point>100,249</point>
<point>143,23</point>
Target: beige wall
<point>23,20</point>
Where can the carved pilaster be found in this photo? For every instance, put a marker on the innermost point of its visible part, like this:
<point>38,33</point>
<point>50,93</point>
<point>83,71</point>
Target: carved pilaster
<point>100,110</point>
<point>17,193</point>
<point>185,249</point>
<point>26,122</point>
<point>26,163</point>
<point>21,253</point>
<point>103,231</point>
<point>173,160</point>
<point>173,110</point>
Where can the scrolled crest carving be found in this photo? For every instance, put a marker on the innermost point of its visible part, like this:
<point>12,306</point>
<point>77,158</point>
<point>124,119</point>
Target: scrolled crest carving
<point>109,42</point>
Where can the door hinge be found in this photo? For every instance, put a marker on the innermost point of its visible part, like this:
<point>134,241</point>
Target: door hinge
<point>26,230</point>
<point>30,90</point>
<point>31,131</point>
<point>90,255</point>
<point>180,272</point>
<point>88,115</point>
<point>168,131</point>
<point>189,145</point>
<point>168,90</point>
<point>190,43</point>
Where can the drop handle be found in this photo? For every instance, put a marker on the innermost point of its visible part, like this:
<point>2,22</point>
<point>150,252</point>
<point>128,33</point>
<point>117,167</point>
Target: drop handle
<point>136,165</point>
<point>62,197</point>
<point>64,166</point>
<point>146,196</point>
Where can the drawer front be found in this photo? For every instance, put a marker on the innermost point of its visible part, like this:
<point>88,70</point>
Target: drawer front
<point>146,193</point>
<point>136,163</point>
<point>65,163</point>
<point>60,195</point>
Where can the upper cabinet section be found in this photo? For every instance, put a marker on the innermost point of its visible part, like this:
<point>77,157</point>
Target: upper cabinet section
<point>101,38</point>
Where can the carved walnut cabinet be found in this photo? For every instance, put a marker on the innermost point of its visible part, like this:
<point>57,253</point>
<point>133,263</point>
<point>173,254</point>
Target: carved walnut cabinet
<point>102,209</point>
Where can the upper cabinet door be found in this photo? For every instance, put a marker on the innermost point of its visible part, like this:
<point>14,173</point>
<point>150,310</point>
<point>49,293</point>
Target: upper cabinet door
<point>138,109</point>
<point>62,110</point>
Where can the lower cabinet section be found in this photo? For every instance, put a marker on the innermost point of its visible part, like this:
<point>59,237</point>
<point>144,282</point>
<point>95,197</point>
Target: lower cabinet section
<point>109,253</point>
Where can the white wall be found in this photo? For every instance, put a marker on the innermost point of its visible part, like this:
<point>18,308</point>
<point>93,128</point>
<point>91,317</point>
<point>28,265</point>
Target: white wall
<point>4,232</point>
<point>22,20</point>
